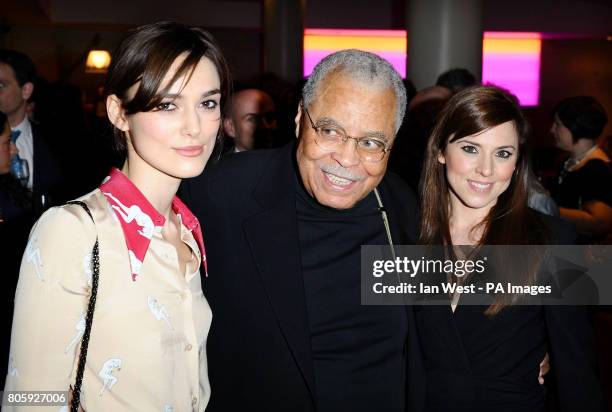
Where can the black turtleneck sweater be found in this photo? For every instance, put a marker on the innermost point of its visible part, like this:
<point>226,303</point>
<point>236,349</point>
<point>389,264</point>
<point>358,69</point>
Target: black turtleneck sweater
<point>358,351</point>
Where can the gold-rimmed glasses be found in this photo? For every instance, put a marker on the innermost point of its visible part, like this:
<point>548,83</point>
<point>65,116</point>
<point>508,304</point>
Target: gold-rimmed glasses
<point>330,137</point>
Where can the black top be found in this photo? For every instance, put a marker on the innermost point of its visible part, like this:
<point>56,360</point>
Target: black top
<point>591,182</point>
<point>356,350</point>
<point>478,363</point>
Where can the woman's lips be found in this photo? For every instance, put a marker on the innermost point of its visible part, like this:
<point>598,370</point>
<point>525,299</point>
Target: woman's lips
<point>190,151</point>
<point>480,187</point>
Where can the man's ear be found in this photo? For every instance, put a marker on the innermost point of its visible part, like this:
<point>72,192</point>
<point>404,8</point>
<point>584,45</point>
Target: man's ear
<point>26,90</point>
<point>116,114</point>
<point>228,127</point>
<point>298,117</point>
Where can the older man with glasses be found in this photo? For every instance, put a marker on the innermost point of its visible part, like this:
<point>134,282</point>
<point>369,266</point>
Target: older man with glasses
<point>283,231</point>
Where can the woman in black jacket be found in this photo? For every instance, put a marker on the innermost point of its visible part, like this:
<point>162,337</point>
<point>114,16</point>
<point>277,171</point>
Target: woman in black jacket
<point>485,358</point>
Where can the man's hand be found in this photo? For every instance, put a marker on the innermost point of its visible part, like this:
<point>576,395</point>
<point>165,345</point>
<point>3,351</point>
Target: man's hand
<point>544,368</point>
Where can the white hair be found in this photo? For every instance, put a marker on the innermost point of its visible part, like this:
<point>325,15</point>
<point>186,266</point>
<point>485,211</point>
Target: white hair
<point>364,67</point>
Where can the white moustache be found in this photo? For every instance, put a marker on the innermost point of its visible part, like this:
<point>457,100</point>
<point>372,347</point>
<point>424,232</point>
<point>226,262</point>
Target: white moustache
<point>341,172</point>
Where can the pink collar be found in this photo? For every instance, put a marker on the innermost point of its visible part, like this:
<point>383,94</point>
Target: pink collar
<point>139,219</point>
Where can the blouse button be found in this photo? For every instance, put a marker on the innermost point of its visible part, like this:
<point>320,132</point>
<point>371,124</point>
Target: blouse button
<point>194,401</point>
<point>188,347</point>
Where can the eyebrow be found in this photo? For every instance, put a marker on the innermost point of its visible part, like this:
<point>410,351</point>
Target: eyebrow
<point>509,146</point>
<point>175,96</point>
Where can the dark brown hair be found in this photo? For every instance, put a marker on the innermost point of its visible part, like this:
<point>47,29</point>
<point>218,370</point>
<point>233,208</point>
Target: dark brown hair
<point>472,111</point>
<point>146,55</point>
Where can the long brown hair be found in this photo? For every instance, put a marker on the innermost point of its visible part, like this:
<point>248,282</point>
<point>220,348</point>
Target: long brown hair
<point>510,221</point>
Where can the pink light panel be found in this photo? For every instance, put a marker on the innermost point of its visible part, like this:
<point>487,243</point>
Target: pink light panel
<point>388,44</point>
<point>512,61</point>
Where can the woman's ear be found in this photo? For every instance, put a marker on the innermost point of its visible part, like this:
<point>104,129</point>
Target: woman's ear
<point>441,157</point>
<point>116,114</point>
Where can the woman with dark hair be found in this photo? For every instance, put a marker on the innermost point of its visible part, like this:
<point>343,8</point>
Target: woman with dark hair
<point>141,344</point>
<point>474,192</point>
<point>584,192</point>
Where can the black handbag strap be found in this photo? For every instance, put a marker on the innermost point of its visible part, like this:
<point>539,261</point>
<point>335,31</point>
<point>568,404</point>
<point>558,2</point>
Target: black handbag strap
<point>95,263</point>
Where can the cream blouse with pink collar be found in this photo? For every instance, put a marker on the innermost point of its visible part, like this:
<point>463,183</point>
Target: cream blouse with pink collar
<point>147,350</point>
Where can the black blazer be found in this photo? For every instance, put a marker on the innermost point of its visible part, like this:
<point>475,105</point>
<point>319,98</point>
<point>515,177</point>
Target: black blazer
<point>259,351</point>
<point>47,177</point>
<point>476,363</point>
